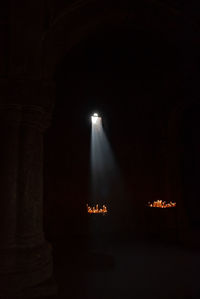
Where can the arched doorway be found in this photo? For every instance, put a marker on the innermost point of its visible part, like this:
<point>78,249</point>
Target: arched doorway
<point>115,72</point>
<point>161,67</point>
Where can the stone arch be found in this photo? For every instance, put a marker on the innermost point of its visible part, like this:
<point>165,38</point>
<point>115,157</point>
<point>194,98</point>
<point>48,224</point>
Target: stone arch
<point>86,17</point>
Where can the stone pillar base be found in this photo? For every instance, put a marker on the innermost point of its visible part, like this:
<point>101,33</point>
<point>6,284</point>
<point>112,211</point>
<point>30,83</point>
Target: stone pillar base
<point>46,290</point>
<point>25,271</point>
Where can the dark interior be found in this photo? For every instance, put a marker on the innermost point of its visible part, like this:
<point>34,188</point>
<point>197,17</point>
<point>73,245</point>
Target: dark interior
<point>136,64</point>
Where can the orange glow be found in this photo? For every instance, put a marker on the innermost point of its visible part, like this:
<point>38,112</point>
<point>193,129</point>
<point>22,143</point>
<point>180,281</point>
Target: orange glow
<point>96,210</point>
<point>161,204</point>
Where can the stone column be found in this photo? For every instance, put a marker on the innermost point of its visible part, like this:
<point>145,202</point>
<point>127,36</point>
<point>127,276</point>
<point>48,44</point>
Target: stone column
<point>25,256</point>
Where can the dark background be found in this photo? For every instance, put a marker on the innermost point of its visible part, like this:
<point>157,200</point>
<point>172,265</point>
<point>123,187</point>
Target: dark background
<point>137,64</point>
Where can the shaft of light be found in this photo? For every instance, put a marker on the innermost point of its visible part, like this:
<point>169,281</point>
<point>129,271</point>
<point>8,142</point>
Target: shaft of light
<point>106,182</point>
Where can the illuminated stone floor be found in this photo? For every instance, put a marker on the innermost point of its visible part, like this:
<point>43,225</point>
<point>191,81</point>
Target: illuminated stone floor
<point>126,270</point>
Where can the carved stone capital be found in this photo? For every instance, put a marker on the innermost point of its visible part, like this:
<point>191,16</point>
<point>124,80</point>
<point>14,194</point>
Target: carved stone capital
<point>28,115</point>
<point>27,92</point>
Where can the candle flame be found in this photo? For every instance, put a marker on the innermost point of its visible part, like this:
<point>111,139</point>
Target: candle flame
<point>96,210</point>
<point>161,204</point>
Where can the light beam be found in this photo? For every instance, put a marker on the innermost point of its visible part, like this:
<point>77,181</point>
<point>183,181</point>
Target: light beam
<point>105,177</point>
